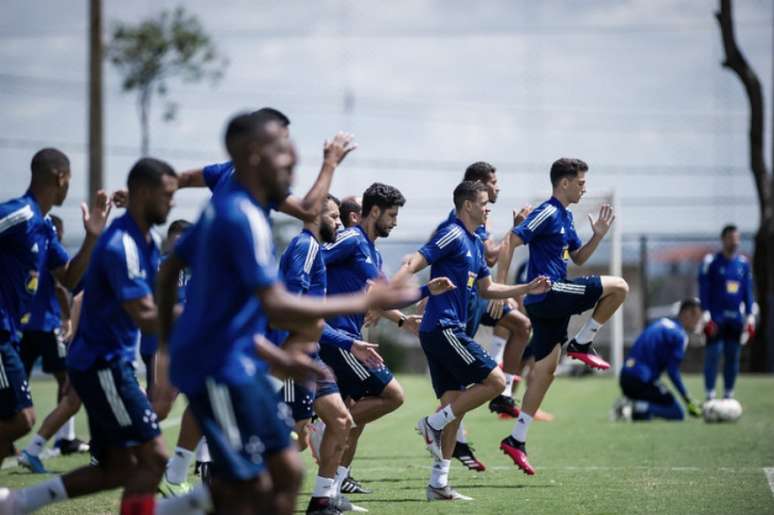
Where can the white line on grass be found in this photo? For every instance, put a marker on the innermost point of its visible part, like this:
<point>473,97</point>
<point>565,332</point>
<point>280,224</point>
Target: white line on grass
<point>769,471</point>
<point>10,463</point>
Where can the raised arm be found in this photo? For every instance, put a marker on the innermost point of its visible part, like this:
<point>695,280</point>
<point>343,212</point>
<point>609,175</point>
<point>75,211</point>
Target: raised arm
<point>506,256</point>
<point>491,290</point>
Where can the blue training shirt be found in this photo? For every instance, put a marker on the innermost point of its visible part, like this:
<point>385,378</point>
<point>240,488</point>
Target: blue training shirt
<point>659,348</point>
<point>149,343</point>
<point>725,287</point>
<point>45,312</point>
<point>550,233</point>
<point>123,268</point>
<point>455,253</point>
<point>218,175</point>
<point>28,245</point>
<point>351,262</point>
<point>231,256</point>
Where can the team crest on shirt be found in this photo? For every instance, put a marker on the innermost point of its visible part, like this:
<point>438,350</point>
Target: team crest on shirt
<point>732,287</point>
<point>25,318</point>
<point>31,284</point>
<point>471,279</point>
<point>566,253</point>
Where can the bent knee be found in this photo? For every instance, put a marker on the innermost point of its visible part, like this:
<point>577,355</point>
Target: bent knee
<point>618,285</point>
<point>496,380</point>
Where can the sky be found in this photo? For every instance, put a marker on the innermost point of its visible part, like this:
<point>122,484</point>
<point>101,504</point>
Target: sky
<point>635,88</point>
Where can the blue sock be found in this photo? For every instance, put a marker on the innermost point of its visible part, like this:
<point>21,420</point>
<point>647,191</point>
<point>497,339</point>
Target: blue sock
<point>731,351</point>
<point>711,357</point>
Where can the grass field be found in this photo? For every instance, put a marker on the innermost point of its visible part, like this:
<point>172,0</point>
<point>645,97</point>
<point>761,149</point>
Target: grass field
<point>585,464</point>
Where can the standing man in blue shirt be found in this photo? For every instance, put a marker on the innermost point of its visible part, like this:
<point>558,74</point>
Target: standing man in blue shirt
<point>549,231</point>
<point>660,348</point>
<point>117,304</point>
<point>454,358</point>
<point>726,293</point>
<point>218,354</point>
<point>28,246</point>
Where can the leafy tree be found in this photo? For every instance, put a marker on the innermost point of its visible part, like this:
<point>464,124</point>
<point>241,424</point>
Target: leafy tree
<point>149,54</point>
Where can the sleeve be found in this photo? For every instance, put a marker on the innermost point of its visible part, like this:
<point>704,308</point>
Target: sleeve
<point>346,245</point>
<point>124,270</point>
<point>537,222</point>
<point>247,241</point>
<point>13,219</point>
<point>442,243</point>
<point>57,256</point>
<point>749,298</point>
<point>334,338</point>
<point>677,342</point>
<point>704,285</point>
<point>213,173</point>
<point>294,269</point>
<point>186,244</point>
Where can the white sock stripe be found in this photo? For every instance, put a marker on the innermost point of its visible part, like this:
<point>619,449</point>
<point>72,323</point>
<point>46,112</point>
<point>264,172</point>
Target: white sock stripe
<point>3,377</point>
<point>20,215</point>
<point>117,406</point>
<point>547,212</point>
<point>458,347</point>
<point>355,365</point>
<point>220,400</point>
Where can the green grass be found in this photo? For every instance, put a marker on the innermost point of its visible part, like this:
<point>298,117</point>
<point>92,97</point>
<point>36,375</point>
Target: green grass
<point>585,464</point>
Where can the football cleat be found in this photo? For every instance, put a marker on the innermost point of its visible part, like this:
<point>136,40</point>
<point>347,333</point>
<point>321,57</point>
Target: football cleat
<point>621,411</point>
<point>343,504</point>
<point>586,353</point>
<point>431,436</point>
<point>518,452</point>
<point>352,486</point>
<point>464,453</point>
<point>202,469</point>
<point>74,446</point>
<point>169,489</point>
<point>504,406</point>
<point>447,493</point>
<point>321,506</point>
<point>543,416</point>
<point>31,463</point>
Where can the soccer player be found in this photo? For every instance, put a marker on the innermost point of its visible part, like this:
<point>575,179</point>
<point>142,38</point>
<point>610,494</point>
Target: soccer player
<point>46,335</point>
<point>117,304</point>
<point>456,360</point>
<point>550,233</point>
<point>28,246</point>
<point>216,350</point>
<point>726,293</point>
<point>659,348</point>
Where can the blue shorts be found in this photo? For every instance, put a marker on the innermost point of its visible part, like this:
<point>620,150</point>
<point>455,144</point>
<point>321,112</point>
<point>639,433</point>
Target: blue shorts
<point>551,316</point>
<point>243,423</point>
<point>14,388</point>
<point>46,345</point>
<point>301,396</point>
<point>355,379</point>
<point>455,359</point>
<point>479,314</point>
<point>120,415</point>
<point>728,331</point>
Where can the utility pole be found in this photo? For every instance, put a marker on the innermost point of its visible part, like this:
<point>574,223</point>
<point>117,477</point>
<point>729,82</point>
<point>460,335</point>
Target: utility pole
<point>95,99</point>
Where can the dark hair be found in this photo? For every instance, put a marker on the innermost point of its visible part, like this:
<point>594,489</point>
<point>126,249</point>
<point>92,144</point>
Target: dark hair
<point>271,114</point>
<point>178,226</point>
<point>566,167</point>
<point>347,206</point>
<point>381,196</point>
<point>479,171</point>
<point>246,126</point>
<point>148,172</point>
<point>334,199</point>
<point>46,160</point>
<point>467,190</point>
<point>689,303</point>
<point>728,229</point>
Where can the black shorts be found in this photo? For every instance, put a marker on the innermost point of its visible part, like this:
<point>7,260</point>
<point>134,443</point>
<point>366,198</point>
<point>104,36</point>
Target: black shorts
<point>14,388</point>
<point>638,390</point>
<point>551,316</point>
<point>46,345</point>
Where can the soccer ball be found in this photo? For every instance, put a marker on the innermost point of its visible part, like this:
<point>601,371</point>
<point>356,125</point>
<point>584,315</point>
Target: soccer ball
<point>722,410</point>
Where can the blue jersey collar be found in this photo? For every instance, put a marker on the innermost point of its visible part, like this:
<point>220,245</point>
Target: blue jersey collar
<point>555,201</point>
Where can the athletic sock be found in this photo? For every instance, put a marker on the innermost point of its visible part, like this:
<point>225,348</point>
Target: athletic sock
<point>138,504</point>
<point>203,451</point>
<point>521,426</point>
<point>711,395</point>
<point>461,434</point>
<point>36,445</point>
<point>342,473</point>
<point>498,348</point>
<point>35,497</point>
<point>67,431</point>
<point>729,394</point>
<point>508,390</point>
<point>441,418</point>
<point>588,331</point>
<point>324,487</point>
<point>439,477</point>
<point>177,466</point>
<point>196,502</point>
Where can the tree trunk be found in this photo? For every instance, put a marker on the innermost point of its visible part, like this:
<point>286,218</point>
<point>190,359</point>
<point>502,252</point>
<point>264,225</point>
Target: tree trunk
<point>762,351</point>
<point>144,107</point>
<point>95,99</point>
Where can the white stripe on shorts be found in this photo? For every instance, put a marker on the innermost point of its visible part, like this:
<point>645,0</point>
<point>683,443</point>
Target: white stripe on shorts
<point>466,356</point>
<point>355,365</point>
<point>117,406</point>
<point>220,400</point>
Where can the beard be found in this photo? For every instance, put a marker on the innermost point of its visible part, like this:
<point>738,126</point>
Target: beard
<point>327,234</point>
<point>382,231</point>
